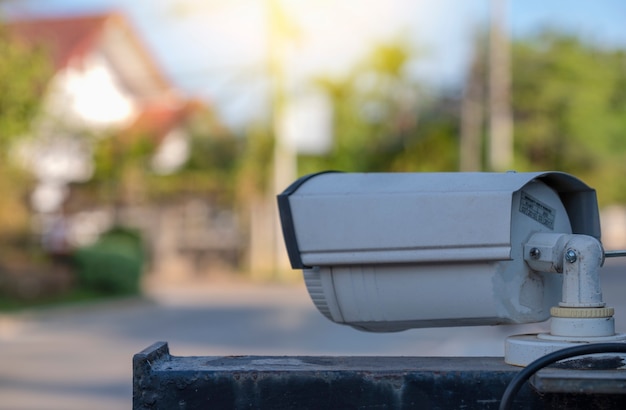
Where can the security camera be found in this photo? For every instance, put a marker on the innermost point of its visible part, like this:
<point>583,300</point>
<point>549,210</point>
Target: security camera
<point>385,252</point>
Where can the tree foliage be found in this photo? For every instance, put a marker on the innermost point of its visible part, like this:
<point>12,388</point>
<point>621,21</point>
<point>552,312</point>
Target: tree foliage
<point>124,172</point>
<point>569,104</point>
<point>210,170</point>
<point>23,73</point>
<point>254,172</point>
<point>382,121</point>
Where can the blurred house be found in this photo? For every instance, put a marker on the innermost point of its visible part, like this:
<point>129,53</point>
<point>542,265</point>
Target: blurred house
<point>104,85</point>
<point>103,80</point>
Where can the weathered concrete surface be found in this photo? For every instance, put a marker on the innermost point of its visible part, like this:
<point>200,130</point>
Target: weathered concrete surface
<point>80,357</point>
<point>317,382</point>
<point>163,381</point>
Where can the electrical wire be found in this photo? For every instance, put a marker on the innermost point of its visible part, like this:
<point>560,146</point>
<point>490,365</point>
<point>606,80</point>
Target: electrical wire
<point>614,254</point>
<point>518,381</point>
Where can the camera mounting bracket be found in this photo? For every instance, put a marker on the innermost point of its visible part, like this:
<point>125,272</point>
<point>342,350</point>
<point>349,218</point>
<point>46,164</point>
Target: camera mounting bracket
<point>582,316</point>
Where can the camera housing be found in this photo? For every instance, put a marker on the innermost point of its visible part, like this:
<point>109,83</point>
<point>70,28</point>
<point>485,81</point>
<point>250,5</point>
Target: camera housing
<point>392,251</point>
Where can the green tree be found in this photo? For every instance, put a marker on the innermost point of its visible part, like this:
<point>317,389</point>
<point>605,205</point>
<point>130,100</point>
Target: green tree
<point>254,173</point>
<point>569,104</point>
<point>214,158</point>
<point>24,72</point>
<point>210,170</point>
<point>124,172</point>
<point>382,120</point>
<point>121,166</point>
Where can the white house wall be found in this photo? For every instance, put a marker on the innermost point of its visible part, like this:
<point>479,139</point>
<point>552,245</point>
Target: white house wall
<point>88,95</point>
<point>172,153</point>
<point>82,99</point>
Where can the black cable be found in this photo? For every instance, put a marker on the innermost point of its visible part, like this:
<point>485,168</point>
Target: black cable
<point>525,374</point>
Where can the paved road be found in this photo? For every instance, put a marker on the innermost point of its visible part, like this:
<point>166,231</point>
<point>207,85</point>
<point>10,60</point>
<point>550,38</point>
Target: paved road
<point>80,357</point>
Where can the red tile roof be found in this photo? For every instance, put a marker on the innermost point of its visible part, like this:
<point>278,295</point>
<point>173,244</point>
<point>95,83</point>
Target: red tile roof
<point>160,117</point>
<point>71,38</point>
<point>64,38</point>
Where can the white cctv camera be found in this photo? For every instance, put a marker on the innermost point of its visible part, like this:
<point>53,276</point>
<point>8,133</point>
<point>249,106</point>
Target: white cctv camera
<point>386,252</point>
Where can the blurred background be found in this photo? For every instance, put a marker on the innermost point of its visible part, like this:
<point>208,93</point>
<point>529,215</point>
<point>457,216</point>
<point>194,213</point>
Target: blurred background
<point>142,143</point>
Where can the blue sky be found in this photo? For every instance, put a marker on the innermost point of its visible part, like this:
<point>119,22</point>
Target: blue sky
<point>215,49</point>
